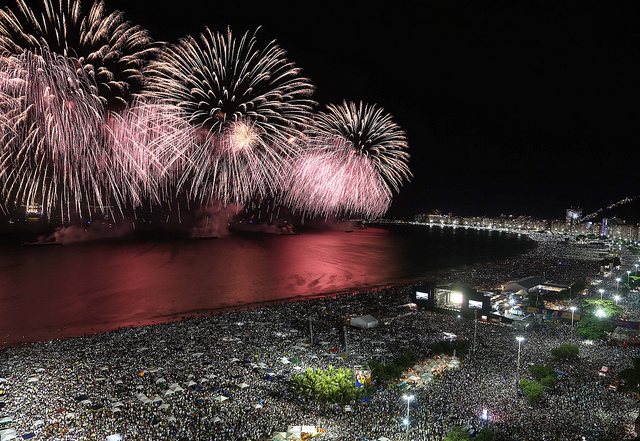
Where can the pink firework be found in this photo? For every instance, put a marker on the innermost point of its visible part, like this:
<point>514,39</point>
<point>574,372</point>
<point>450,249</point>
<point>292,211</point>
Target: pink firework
<point>150,141</point>
<point>331,178</point>
<point>236,165</point>
<point>54,153</point>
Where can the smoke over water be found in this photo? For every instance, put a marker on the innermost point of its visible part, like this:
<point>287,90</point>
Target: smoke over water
<point>213,221</point>
<point>90,232</point>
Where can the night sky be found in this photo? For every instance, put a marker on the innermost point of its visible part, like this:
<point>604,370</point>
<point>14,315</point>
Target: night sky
<point>523,108</point>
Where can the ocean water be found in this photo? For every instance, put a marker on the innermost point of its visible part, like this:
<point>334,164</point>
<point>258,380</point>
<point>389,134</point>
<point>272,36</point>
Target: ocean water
<point>50,292</point>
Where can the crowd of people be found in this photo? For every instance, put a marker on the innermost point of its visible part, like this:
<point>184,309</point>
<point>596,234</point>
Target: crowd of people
<point>224,377</point>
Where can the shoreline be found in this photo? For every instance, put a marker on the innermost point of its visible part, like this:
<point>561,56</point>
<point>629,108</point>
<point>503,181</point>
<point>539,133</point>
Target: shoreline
<point>481,275</point>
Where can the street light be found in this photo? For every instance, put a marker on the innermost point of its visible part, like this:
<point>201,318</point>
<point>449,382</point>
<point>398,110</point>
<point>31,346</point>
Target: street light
<point>617,284</point>
<point>600,313</point>
<point>616,298</point>
<point>628,275</point>
<point>573,310</point>
<point>518,365</point>
<point>406,420</point>
<point>637,269</point>
<point>601,292</point>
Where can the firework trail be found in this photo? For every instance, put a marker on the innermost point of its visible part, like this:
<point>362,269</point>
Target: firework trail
<point>249,107</point>
<point>111,51</point>
<point>54,153</point>
<point>355,158</point>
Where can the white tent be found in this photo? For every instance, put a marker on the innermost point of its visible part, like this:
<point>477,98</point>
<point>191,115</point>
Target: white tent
<point>32,380</point>
<point>161,380</point>
<point>257,406</point>
<point>8,434</point>
<point>242,385</point>
<point>279,436</point>
<point>366,321</point>
<point>114,437</point>
<point>38,423</point>
<point>220,398</point>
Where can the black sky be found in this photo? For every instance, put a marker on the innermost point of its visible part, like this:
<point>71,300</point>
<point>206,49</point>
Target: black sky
<point>515,107</point>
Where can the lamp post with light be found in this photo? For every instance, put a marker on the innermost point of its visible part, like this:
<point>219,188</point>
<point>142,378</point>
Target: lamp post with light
<point>406,420</point>
<point>573,310</point>
<point>601,292</point>
<point>518,364</point>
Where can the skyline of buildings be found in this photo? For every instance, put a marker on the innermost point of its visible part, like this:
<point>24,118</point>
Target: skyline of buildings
<point>610,227</point>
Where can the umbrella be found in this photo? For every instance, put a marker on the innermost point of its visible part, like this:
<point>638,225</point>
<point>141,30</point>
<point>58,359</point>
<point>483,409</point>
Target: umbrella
<point>220,398</point>
<point>32,380</point>
<point>257,406</point>
<point>242,385</point>
<point>279,436</point>
<point>216,420</point>
<point>161,380</point>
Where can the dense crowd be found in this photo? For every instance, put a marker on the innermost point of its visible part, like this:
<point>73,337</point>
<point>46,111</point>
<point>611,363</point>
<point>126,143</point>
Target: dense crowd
<point>224,377</point>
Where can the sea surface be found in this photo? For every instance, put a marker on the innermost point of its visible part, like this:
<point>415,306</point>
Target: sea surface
<point>49,292</point>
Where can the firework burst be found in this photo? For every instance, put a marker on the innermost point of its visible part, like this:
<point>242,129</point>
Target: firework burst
<point>355,158</point>
<point>247,105</point>
<point>149,140</point>
<point>111,51</point>
<point>54,153</point>
<point>371,133</point>
<point>330,178</point>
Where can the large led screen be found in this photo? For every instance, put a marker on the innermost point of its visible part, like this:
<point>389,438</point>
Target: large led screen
<point>474,304</point>
<point>422,295</point>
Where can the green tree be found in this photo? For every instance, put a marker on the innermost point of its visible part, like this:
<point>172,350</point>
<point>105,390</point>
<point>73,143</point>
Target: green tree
<point>594,328</point>
<point>565,351</point>
<point>590,307</point>
<point>457,434</point>
<point>486,434</point>
<point>549,382</point>
<point>532,390</point>
<point>539,372</point>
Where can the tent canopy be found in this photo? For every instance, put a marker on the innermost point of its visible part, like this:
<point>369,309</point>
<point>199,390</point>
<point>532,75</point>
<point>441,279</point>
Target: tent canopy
<point>366,321</point>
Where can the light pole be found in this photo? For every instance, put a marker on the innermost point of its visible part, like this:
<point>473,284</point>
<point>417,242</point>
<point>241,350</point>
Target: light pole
<point>518,364</point>
<point>573,310</point>
<point>637,269</point>
<point>601,292</point>
<point>406,420</point>
<point>628,276</point>
<point>616,298</point>
<point>475,327</point>
<point>617,284</point>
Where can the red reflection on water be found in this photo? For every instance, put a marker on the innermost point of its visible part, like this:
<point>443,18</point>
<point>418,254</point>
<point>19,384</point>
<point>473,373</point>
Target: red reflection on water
<point>70,290</point>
